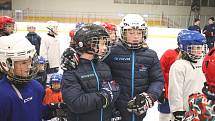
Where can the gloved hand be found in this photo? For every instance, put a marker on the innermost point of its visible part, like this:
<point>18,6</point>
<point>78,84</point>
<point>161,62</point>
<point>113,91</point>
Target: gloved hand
<point>179,115</point>
<point>54,106</point>
<point>109,92</point>
<point>162,98</point>
<point>57,110</point>
<point>69,59</point>
<point>140,103</point>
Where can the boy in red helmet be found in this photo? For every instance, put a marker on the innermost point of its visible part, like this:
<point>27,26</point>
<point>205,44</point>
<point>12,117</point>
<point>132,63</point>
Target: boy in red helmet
<point>111,29</point>
<point>201,106</point>
<point>6,28</point>
<point>6,25</point>
<point>72,34</point>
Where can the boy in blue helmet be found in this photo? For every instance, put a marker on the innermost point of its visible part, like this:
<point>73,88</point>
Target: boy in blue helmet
<point>41,75</point>
<point>201,105</point>
<point>53,93</point>
<point>186,76</point>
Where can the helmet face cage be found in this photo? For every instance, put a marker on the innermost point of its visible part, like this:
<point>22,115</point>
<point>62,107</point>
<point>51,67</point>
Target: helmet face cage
<point>195,52</point>
<point>16,79</point>
<point>99,46</point>
<point>9,28</point>
<point>130,45</point>
<point>6,23</point>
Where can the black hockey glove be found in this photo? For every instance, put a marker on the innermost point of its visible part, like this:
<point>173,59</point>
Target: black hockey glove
<point>179,115</point>
<point>140,103</point>
<point>54,106</point>
<point>58,109</point>
<point>109,92</point>
<point>162,98</point>
<point>69,59</point>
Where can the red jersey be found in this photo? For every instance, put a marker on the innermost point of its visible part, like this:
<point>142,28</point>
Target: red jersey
<point>167,59</point>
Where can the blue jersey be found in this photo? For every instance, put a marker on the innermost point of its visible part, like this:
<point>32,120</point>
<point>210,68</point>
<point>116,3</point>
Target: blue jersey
<point>13,108</point>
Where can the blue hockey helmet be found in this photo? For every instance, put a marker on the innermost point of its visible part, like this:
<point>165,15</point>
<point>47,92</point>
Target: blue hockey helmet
<point>192,42</point>
<point>56,78</point>
<point>41,60</point>
<point>79,25</point>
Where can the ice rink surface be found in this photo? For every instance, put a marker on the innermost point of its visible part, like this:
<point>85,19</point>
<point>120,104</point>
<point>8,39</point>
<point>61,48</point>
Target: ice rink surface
<point>159,39</point>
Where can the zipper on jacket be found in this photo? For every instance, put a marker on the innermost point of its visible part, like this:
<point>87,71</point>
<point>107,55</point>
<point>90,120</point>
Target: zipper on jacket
<point>132,80</point>
<point>97,79</point>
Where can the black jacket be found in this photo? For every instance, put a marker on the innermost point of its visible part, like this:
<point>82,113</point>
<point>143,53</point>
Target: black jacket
<point>136,71</point>
<point>80,91</point>
<point>35,40</point>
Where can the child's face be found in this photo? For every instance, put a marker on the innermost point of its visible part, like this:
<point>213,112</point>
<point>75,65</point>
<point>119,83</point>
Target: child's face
<point>101,46</point>
<point>197,50</point>
<point>22,68</point>
<point>134,36</point>
<point>9,27</point>
<point>112,35</point>
<point>56,85</point>
<point>41,67</point>
<point>31,29</point>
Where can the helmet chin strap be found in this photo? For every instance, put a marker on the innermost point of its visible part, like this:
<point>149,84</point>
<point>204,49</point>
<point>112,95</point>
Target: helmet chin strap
<point>133,45</point>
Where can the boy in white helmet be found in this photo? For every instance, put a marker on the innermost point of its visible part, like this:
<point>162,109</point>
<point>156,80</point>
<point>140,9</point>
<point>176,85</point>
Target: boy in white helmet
<point>136,68</point>
<point>21,97</point>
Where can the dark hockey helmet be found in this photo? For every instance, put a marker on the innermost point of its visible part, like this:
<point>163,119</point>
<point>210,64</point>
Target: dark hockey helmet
<point>88,38</point>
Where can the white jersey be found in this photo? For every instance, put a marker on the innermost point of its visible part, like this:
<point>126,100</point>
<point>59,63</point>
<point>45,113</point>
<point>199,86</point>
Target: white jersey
<point>50,49</point>
<point>185,78</point>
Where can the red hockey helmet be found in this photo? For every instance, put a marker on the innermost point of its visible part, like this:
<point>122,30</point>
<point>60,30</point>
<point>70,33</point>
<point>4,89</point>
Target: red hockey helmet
<point>4,20</point>
<point>108,26</point>
<point>208,67</point>
<point>72,33</point>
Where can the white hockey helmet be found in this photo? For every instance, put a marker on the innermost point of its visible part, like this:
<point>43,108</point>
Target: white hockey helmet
<point>16,48</point>
<point>133,21</point>
<point>52,26</point>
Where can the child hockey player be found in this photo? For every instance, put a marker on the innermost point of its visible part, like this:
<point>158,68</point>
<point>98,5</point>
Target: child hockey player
<point>202,106</point>
<point>53,93</point>
<point>88,90</point>
<point>186,76</point>
<point>41,75</point>
<point>20,96</point>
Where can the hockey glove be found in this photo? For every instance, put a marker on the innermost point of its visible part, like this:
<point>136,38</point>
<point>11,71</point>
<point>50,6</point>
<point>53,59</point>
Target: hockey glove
<point>55,106</point>
<point>107,96</point>
<point>140,103</point>
<point>69,59</point>
<point>179,115</point>
<point>109,92</point>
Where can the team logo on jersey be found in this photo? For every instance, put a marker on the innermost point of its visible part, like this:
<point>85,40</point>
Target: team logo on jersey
<point>87,76</point>
<point>142,67</point>
<point>121,59</point>
<point>27,99</point>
